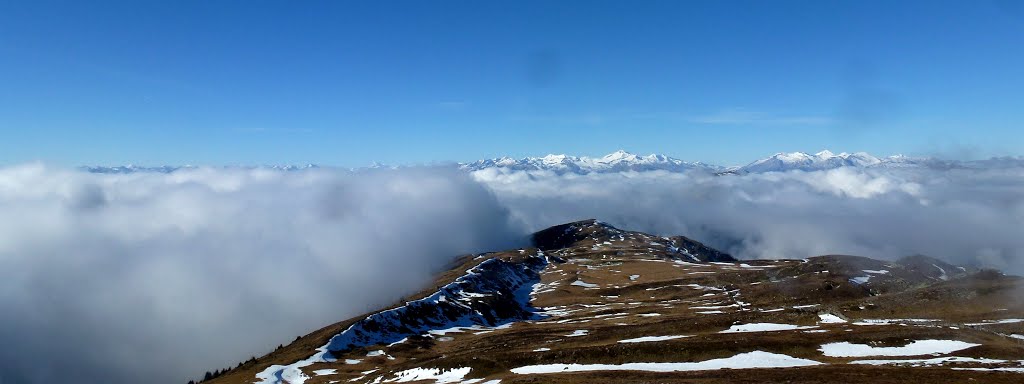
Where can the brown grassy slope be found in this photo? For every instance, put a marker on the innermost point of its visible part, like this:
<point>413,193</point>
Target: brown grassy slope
<point>306,345</point>
<point>632,285</point>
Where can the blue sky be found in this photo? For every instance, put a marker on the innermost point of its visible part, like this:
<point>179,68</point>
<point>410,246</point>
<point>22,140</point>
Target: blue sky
<point>348,83</point>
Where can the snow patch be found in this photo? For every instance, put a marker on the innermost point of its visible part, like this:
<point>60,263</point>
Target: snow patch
<point>918,347</point>
<point>892,321</point>
<point>1017,370</point>
<point>756,359</point>
<point>860,280</point>
<point>581,283</point>
<point>992,322</point>
<point>652,338</point>
<point>440,376</point>
<point>764,327</point>
<point>828,318</point>
<point>929,362</point>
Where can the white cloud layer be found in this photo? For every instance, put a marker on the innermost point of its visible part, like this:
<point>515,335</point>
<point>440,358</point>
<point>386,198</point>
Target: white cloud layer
<point>963,216</point>
<point>158,277</point>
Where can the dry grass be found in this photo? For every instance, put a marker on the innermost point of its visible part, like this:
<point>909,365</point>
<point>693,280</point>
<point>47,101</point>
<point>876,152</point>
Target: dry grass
<point>745,294</point>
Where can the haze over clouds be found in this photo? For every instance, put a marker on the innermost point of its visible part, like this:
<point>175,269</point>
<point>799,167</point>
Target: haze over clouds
<point>149,277</point>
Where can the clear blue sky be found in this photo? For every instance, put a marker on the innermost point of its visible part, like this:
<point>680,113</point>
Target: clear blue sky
<point>347,83</point>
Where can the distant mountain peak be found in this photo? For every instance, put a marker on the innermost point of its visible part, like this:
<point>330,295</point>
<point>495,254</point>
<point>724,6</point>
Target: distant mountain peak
<point>619,155</point>
<point>802,161</point>
<point>617,161</point>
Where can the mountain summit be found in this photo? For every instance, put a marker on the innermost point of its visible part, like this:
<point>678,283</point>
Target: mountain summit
<point>807,162</point>
<point>591,303</point>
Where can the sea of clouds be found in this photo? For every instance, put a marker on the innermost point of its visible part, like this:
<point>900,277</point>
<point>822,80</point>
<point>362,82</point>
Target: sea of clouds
<point>963,216</point>
<point>151,277</point>
<point>147,277</point>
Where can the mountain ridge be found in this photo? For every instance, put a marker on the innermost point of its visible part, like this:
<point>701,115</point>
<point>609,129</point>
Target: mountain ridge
<point>605,300</point>
<point>623,161</point>
<point>620,160</point>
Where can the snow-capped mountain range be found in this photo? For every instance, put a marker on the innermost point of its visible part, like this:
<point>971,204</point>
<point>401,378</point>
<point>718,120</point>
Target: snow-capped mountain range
<point>781,162</point>
<point>619,161</point>
<point>622,161</point>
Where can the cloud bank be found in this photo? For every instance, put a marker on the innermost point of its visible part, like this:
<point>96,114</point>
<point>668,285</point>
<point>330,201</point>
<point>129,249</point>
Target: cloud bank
<point>148,277</point>
<point>158,278</point>
<point>969,217</point>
